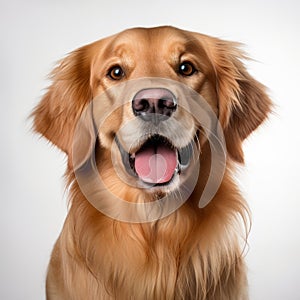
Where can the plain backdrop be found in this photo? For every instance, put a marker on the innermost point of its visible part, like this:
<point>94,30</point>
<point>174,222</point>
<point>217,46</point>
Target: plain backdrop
<point>35,34</point>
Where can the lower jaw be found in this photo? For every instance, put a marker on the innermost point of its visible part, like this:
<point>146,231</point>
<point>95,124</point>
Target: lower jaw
<point>156,191</point>
<point>159,186</point>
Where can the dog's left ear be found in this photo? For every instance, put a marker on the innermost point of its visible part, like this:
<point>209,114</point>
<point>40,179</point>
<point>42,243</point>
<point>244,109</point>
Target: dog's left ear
<point>243,101</point>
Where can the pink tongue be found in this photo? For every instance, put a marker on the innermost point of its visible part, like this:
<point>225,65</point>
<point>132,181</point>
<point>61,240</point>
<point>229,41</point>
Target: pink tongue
<point>156,165</point>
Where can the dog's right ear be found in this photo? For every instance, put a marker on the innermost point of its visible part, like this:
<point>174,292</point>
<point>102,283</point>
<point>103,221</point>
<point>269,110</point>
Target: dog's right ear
<point>56,116</point>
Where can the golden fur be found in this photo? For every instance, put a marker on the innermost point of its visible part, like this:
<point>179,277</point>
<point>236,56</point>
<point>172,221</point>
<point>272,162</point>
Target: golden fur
<point>192,253</point>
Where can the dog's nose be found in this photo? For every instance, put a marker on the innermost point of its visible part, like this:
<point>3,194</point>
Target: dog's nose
<point>155,104</point>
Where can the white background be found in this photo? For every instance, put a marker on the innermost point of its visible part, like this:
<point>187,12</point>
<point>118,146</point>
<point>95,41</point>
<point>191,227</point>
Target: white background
<point>35,34</point>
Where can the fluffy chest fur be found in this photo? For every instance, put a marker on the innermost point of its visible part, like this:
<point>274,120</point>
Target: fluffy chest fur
<point>184,256</point>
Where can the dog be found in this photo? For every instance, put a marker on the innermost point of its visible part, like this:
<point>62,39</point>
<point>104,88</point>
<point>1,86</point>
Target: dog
<point>142,129</point>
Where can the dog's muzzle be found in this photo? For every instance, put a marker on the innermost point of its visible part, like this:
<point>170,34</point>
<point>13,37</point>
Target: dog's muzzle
<point>157,160</point>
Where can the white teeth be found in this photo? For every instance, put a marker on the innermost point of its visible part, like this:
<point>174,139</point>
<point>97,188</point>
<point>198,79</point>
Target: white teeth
<point>178,169</point>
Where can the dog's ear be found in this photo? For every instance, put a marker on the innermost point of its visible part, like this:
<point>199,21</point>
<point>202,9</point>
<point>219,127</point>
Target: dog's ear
<point>56,116</point>
<point>243,101</point>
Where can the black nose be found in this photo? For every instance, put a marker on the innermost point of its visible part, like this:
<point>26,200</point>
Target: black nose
<point>155,104</point>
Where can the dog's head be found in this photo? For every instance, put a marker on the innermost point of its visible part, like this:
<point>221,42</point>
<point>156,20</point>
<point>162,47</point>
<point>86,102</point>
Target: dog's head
<point>146,127</point>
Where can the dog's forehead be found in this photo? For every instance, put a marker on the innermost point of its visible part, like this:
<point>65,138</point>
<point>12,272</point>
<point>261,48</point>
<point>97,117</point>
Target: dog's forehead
<point>154,38</point>
<point>148,47</point>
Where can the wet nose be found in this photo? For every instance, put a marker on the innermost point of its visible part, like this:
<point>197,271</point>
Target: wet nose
<point>155,104</point>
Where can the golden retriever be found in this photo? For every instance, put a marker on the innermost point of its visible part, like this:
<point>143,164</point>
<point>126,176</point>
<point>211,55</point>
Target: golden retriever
<point>142,130</point>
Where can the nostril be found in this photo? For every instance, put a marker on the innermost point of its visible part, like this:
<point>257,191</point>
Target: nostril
<point>162,103</point>
<point>166,103</point>
<point>141,105</point>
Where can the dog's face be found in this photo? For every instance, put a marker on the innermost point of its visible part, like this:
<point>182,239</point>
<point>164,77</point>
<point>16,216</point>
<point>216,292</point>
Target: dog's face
<point>152,129</point>
<point>151,134</point>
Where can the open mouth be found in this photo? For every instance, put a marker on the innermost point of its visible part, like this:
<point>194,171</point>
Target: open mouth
<point>157,161</point>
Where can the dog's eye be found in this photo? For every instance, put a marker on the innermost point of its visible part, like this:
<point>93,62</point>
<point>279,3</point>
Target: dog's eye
<point>116,73</point>
<point>186,69</point>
